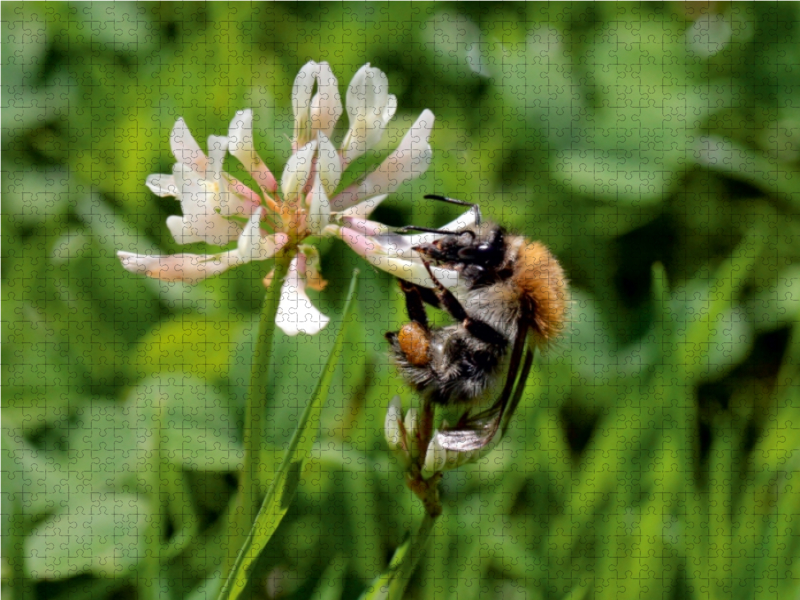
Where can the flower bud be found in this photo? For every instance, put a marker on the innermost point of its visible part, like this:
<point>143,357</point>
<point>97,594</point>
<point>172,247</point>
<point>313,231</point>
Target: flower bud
<point>391,426</point>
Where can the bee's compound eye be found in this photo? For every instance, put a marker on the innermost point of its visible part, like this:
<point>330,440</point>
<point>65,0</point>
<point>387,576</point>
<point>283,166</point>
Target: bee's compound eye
<point>415,343</point>
<point>482,253</point>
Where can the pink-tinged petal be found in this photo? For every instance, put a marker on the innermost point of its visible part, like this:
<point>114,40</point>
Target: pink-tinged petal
<point>189,268</point>
<point>272,244</point>
<point>365,226</point>
<point>253,244</point>
<point>392,253</point>
<point>162,185</point>
<point>296,314</point>
<point>248,200</point>
<point>326,106</point>
<point>185,149</point>
<point>409,161</point>
<point>465,221</point>
<point>365,208</point>
<point>241,146</point>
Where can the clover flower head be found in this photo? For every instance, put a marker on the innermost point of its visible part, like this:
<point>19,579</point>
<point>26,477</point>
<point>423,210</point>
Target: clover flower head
<point>275,217</point>
<point>403,437</point>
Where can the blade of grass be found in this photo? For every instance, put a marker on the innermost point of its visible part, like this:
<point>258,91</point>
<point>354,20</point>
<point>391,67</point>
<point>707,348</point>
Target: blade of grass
<point>284,486</point>
<point>331,584</point>
<point>392,583</point>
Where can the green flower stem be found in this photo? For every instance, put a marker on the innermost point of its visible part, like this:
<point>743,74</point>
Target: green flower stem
<point>411,558</point>
<point>253,481</point>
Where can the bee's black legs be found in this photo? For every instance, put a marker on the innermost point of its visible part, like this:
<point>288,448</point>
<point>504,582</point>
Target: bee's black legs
<point>474,207</point>
<point>414,302</point>
<point>481,330</point>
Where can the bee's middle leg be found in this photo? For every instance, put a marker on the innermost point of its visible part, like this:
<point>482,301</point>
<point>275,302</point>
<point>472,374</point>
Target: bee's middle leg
<point>480,329</point>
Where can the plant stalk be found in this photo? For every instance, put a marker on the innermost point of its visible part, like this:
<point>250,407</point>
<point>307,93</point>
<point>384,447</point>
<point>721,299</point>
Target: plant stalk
<point>253,481</point>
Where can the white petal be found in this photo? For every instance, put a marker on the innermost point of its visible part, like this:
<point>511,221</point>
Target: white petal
<point>217,148</point>
<point>296,314</point>
<point>195,197</point>
<point>240,137</point>
<point>391,424</point>
<point>377,124</point>
<point>301,101</point>
<point>201,221</point>
<point>182,230</point>
<point>303,86</point>
<point>185,149</point>
<point>366,226</point>
<point>435,457</point>
<point>298,168</point>
<point>189,268</point>
<point>409,161</point>
<point>242,147</point>
<point>250,239</point>
<point>319,209</point>
<point>368,103</point>
<point>271,244</point>
<point>329,165</point>
<point>326,106</point>
<point>162,185</point>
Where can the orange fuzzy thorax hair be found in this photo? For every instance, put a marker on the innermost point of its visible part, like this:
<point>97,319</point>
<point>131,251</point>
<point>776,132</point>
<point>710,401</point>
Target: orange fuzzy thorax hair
<point>544,291</point>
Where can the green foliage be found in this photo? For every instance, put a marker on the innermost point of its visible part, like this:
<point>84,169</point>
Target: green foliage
<point>656,150</point>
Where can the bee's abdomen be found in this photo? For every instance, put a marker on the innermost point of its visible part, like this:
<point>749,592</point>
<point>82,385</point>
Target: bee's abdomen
<point>543,288</point>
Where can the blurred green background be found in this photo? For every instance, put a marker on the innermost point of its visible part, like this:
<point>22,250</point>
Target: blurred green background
<point>654,147</point>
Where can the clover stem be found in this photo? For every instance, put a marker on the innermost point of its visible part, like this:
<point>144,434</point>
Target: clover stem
<point>253,480</point>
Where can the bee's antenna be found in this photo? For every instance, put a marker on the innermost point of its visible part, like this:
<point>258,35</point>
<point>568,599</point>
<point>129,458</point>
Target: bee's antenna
<point>475,208</point>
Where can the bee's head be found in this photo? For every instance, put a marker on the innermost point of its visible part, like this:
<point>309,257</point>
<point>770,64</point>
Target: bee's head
<point>476,252</point>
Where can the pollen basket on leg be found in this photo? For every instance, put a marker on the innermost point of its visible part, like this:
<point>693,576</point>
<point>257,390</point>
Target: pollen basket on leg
<point>414,342</point>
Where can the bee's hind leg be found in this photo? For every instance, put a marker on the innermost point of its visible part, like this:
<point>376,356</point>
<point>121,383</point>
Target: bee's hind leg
<point>412,343</point>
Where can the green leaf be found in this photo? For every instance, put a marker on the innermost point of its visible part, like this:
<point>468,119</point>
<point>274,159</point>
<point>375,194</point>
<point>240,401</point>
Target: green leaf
<point>331,584</point>
<point>102,534</point>
<point>758,168</point>
<point>284,486</point>
<point>717,336</point>
<point>198,427</point>
<point>196,345</point>
<point>380,588</point>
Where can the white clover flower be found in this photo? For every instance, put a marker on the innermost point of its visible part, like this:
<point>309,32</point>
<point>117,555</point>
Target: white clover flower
<point>403,437</point>
<point>218,209</point>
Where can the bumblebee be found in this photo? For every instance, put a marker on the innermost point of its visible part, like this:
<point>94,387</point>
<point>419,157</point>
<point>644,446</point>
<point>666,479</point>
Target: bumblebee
<point>513,300</point>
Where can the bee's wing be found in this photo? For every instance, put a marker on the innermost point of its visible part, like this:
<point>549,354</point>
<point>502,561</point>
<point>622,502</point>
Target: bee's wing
<point>479,431</point>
